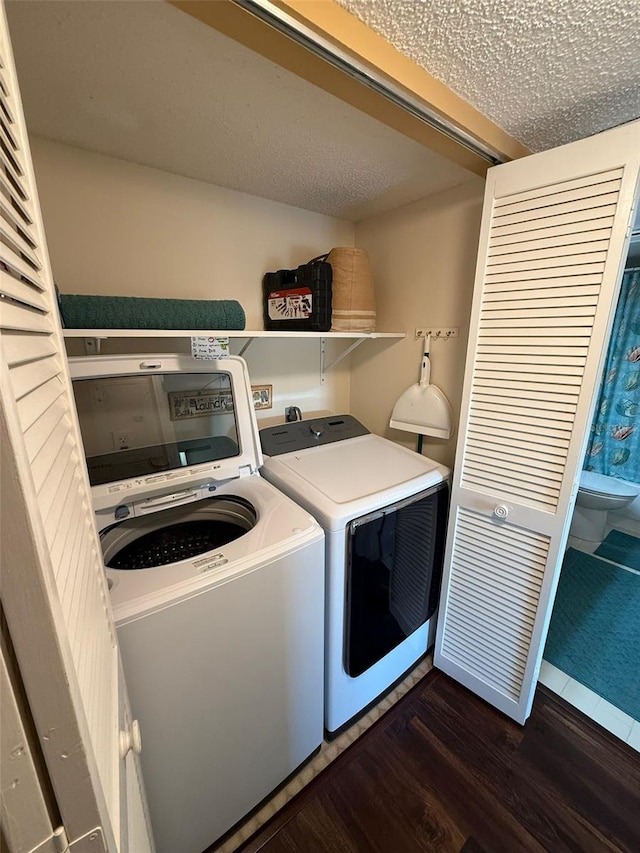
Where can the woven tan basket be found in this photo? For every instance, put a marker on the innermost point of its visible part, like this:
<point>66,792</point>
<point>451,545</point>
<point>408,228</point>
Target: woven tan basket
<point>354,302</point>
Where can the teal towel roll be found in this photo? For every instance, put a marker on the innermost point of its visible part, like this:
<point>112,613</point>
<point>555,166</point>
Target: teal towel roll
<point>136,312</point>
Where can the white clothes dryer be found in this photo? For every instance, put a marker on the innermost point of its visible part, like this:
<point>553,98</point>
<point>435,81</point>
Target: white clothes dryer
<point>217,586</point>
<point>383,509</point>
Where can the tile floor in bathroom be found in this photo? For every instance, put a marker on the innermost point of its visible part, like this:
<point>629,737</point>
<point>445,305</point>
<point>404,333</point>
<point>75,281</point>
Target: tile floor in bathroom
<point>594,706</point>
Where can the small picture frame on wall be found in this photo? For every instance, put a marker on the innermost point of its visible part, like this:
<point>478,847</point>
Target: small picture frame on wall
<point>262,396</point>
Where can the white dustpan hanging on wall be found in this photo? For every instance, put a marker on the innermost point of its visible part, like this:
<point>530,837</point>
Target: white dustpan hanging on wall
<point>423,408</point>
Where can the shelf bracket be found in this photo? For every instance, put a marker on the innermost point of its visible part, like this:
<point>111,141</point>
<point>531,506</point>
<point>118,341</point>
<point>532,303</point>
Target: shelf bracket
<point>92,345</point>
<point>324,367</point>
<point>246,346</point>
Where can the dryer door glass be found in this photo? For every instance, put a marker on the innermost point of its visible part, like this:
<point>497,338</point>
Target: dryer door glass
<point>133,426</point>
<point>394,570</point>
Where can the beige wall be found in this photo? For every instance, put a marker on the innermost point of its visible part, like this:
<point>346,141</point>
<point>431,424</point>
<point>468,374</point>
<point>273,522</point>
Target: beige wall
<point>119,228</point>
<point>423,258</point>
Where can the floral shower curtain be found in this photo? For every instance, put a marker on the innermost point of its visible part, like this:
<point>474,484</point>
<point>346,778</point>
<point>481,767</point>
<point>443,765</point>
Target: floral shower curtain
<point>614,444</point>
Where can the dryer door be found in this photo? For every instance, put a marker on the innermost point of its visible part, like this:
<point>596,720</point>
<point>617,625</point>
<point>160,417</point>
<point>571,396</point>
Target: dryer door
<point>394,571</point>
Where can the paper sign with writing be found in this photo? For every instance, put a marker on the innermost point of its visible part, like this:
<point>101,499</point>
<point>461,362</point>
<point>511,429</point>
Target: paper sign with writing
<point>209,348</point>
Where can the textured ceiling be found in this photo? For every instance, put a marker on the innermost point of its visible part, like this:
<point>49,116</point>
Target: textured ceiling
<point>146,83</point>
<point>143,82</point>
<point>546,71</point>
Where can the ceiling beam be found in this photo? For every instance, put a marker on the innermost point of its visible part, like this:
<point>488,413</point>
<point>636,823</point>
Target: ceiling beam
<point>332,24</point>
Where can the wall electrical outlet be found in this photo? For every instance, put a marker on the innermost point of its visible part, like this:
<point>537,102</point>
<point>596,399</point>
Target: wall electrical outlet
<point>122,440</point>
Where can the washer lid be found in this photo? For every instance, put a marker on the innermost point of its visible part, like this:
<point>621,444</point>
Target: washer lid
<point>154,424</point>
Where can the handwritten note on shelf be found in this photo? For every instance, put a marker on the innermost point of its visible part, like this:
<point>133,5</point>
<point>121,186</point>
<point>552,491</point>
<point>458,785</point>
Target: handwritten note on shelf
<point>209,348</point>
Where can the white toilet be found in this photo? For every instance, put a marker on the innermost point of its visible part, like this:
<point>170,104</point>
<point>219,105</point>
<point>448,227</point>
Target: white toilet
<point>598,495</point>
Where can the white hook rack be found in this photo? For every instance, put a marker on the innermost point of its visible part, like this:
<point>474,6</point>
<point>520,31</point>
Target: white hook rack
<point>438,334</point>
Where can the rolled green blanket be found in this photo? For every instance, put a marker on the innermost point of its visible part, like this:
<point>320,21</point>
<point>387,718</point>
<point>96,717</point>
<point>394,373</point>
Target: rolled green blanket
<point>136,312</point>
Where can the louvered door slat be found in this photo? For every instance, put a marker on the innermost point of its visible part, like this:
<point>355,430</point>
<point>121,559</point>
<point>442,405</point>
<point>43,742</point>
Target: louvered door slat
<point>488,608</point>
<point>502,569</point>
<point>44,461</point>
<point>16,235</point>
<point>510,255</point>
<point>502,586</point>
<point>20,269</point>
<point>587,260</point>
<point>523,226</point>
<point>523,362</point>
<point>501,295</point>
<point>520,472</point>
<point>557,377</point>
<point>588,194</point>
<point>23,318</point>
<point>12,201</point>
<point>71,591</point>
<point>508,410</point>
<point>568,227</point>
<point>598,206</point>
<point>548,268</point>
<point>41,429</point>
<point>505,659</point>
<point>3,83</point>
<point>15,216</point>
<point>555,322</point>
<point>498,395</point>
<point>518,450</point>
<point>16,290</point>
<point>518,428</point>
<point>557,394</point>
<point>16,242</point>
<point>60,535</point>
<point>7,136</point>
<point>550,241</point>
<point>74,597</point>
<point>49,491</point>
<point>10,162</point>
<point>19,348</point>
<point>31,407</point>
<point>560,188</point>
<point>81,608</point>
<point>544,272</point>
<point>528,336</point>
<point>56,528</point>
<point>28,377</point>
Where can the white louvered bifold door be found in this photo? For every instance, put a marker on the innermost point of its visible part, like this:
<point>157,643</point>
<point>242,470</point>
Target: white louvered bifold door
<point>554,233</point>
<point>54,591</point>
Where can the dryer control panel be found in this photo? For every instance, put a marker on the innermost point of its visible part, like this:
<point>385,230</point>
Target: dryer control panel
<point>315,432</point>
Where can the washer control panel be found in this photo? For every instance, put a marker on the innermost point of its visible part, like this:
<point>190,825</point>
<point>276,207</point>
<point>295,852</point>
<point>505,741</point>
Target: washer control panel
<point>315,432</point>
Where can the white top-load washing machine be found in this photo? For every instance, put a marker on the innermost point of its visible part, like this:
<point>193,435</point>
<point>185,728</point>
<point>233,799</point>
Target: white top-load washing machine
<point>217,585</point>
<point>384,511</point>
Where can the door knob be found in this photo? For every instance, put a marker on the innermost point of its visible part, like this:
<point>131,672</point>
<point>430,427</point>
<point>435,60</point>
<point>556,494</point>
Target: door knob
<point>131,740</point>
<point>501,511</point>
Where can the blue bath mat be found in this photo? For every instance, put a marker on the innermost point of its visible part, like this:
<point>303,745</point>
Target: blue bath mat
<point>594,634</point>
<point>621,548</point>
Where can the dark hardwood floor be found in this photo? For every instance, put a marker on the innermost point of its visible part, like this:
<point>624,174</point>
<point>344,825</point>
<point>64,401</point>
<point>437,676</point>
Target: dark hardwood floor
<point>443,771</point>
